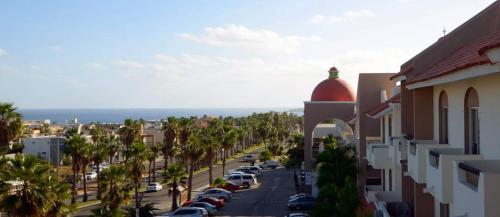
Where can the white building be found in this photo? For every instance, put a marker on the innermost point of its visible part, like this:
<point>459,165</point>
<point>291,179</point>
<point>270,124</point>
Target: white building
<point>45,147</point>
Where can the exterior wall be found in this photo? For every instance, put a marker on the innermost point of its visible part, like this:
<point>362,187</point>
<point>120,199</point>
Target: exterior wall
<point>44,147</point>
<point>423,113</point>
<point>488,89</point>
<point>424,203</point>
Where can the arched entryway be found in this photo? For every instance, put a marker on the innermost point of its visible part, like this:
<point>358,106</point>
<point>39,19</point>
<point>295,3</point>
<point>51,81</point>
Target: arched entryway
<point>471,119</point>
<point>443,118</point>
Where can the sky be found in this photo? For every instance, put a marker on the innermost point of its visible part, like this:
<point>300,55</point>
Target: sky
<point>206,54</point>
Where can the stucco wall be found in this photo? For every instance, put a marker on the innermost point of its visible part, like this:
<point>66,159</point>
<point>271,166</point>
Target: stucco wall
<point>488,89</point>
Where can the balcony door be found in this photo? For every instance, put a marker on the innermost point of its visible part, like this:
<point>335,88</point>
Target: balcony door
<point>443,118</point>
<point>471,119</point>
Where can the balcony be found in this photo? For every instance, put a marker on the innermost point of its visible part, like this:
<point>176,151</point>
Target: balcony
<point>440,173</point>
<point>389,204</point>
<point>417,158</point>
<point>378,155</point>
<point>373,186</point>
<point>398,149</point>
<point>475,188</point>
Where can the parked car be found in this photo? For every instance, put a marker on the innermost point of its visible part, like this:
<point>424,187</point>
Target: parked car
<point>91,175</point>
<point>154,186</point>
<point>297,214</point>
<point>211,209</point>
<point>298,195</point>
<point>231,172</point>
<point>211,200</point>
<point>253,169</point>
<point>248,158</point>
<point>217,193</point>
<point>188,212</point>
<point>301,202</point>
<point>269,164</point>
<point>245,170</point>
<point>229,186</point>
<point>245,180</point>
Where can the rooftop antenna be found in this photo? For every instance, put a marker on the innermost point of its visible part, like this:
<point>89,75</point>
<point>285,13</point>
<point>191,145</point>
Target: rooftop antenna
<point>444,31</point>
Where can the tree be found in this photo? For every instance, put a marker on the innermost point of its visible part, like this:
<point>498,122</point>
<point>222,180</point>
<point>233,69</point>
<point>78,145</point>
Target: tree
<point>10,124</point>
<point>194,152</point>
<point>39,194</point>
<point>173,174</point>
<point>171,129</point>
<point>74,149</point>
<point>99,152</point>
<point>229,140</point>
<point>265,155</point>
<point>148,210</point>
<point>130,132</point>
<point>116,191</point>
<point>155,150</point>
<point>86,151</point>
<point>209,137</point>
<point>136,155</point>
<point>113,148</point>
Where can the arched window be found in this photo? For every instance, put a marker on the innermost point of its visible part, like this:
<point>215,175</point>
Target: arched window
<point>471,118</point>
<point>443,118</point>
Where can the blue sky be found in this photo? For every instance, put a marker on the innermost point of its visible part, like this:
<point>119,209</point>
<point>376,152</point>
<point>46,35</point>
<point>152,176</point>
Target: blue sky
<point>174,54</point>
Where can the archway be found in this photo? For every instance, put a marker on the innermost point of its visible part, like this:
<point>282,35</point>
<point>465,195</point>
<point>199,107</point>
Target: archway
<point>443,118</point>
<point>471,122</point>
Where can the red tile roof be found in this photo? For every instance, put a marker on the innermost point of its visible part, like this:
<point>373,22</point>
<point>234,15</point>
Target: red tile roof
<point>381,107</point>
<point>465,57</point>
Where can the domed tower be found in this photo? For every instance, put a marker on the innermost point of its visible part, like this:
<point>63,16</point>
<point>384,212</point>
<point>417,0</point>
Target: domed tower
<point>332,98</point>
<point>333,89</point>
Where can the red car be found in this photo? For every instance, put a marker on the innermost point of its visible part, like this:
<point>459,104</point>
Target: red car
<point>211,200</point>
<point>229,186</point>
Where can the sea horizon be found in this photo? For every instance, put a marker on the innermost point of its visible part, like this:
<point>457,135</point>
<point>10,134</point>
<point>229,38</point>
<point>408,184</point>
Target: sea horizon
<point>117,115</point>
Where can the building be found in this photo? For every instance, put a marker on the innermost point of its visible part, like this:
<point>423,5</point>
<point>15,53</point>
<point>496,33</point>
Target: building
<point>439,148</point>
<point>45,147</point>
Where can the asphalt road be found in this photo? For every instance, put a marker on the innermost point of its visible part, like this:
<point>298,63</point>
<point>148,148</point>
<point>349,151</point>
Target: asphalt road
<point>162,197</point>
<point>268,198</point>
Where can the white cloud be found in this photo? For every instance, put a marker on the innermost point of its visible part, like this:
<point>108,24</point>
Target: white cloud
<point>56,48</point>
<point>129,64</point>
<point>3,52</point>
<point>348,15</point>
<point>239,36</point>
<point>94,65</point>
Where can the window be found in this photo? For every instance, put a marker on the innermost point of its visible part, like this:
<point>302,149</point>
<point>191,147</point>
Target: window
<point>390,179</point>
<point>444,210</point>
<point>443,118</point>
<point>471,118</point>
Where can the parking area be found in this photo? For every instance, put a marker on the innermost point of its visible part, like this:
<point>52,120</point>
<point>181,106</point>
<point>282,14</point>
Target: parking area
<point>268,198</point>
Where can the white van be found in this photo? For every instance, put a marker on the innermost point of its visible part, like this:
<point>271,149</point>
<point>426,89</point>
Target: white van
<point>245,180</point>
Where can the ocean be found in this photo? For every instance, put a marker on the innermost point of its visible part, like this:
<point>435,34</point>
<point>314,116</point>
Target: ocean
<point>118,115</point>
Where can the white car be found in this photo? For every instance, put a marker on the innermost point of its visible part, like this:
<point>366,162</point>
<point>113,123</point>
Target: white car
<point>154,186</point>
<point>235,172</point>
<point>218,193</point>
<point>245,180</point>
<point>187,212</point>
<point>269,164</point>
<point>254,169</point>
<point>248,158</point>
<point>91,175</point>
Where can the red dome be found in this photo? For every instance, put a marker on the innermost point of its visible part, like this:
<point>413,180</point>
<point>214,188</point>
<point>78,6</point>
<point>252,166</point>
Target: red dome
<point>333,89</point>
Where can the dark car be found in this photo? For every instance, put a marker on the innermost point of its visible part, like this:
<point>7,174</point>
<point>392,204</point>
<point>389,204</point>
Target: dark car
<point>300,203</point>
<point>229,186</point>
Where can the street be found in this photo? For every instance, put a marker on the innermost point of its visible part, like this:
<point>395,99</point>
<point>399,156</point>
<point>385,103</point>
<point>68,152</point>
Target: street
<point>268,198</point>
<point>164,201</point>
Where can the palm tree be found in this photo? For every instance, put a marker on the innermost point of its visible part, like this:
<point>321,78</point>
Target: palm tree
<point>173,174</point>
<point>99,152</point>
<point>136,155</point>
<point>113,148</point>
<point>210,143</point>
<point>39,194</point>
<point>228,142</point>
<point>130,132</point>
<point>85,159</point>
<point>10,124</point>
<point>116,191</point>
<point>73,148</point>
<point>155,150</point>
<point>171,129</point>
<point>194,151</point>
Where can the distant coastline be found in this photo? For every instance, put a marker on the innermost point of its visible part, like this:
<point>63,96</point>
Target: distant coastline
<point>118,115</point>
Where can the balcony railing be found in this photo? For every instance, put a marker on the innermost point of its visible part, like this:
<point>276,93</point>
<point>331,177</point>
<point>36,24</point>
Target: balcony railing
<point>378,155</point>
<point>440,171</point>
<point>417,159</point>
<point>475,188</point>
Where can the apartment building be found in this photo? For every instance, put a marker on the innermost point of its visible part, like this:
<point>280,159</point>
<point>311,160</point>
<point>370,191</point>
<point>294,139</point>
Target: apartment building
<point>440,153</point>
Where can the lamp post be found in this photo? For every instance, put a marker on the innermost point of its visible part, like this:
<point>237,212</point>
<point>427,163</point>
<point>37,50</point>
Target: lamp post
<point>223,161</point>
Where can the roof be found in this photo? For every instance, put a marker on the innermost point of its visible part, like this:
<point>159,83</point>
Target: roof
<point>383,106</point>
<point>333,89</point>
<point>472,54</point>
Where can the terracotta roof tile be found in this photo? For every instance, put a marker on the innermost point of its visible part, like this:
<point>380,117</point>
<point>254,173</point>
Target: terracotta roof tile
<point>383,106</point>
<point>465,57</point>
